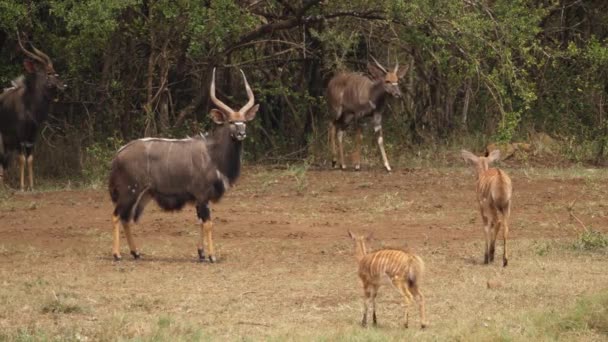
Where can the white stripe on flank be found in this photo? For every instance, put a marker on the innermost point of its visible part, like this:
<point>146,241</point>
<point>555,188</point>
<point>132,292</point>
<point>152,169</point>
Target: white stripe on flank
<point>224,179</point>
<point>153,139</point>
<point>163,139</point>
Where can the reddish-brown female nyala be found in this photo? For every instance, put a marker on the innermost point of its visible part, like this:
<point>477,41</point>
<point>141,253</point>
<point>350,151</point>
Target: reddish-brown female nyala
<point>494,192</point>
<point>353,97</point>
<point>403,269</point>
<point>176,172</point>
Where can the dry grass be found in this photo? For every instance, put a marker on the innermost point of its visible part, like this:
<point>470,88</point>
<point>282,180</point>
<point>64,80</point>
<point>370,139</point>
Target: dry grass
<point>287,270</point>
<point>281,296</point>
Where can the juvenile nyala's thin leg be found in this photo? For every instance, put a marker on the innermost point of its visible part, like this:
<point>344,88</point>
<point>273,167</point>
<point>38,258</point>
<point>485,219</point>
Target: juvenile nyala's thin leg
<point>367,294</point>
<point>357,152</point>
<point>22,171</point>
<point>420,299</point>
<point>341,148</point>
<point>30,170</point>
<point>407,296</point>
<point>131,241</point>
<point>373,295</point>
<point>116,237</point>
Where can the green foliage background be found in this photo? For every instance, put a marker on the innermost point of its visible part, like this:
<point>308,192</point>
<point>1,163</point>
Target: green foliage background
<point>500,68</point>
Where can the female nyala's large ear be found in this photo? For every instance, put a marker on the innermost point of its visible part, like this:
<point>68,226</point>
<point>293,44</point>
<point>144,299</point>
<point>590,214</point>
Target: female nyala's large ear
<point>469,157</point>
<point>218,116</point>
<point>403,71</point>
<point>250,115</point>
<point>494,156</point>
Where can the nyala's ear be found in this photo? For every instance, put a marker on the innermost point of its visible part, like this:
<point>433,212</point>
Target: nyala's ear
<point>29,66</point>
<point>403,71</point>
<point>218,116</point>
<point>469,157</point>
<point>494,156</point>
<point>250,115</point>
<point>376,72</point>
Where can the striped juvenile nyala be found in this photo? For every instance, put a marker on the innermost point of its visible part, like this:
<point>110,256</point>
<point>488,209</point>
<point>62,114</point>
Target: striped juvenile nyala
<point>403,269</point>
<point>494,191</point>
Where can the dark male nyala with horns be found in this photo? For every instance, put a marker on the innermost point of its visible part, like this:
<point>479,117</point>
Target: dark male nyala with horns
<point>24,107</point>
<point>176,172</point>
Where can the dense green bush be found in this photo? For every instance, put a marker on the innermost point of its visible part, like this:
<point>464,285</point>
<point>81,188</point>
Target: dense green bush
<point>500,68</point>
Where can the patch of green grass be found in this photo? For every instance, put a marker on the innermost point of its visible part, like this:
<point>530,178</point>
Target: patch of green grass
<point>63,303</point>
<point>38,282</point>
<point>591,240</point>
<point>24,335</point>
<point>541,248</point>
<point>590,315</point>
<point>298,172</point>
<point>168,330</point>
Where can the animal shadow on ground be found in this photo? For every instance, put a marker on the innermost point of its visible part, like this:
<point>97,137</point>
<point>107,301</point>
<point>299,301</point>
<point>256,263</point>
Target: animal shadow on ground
<point>165,260</point>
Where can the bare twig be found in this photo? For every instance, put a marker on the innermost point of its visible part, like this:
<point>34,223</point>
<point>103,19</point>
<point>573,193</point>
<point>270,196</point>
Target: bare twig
<point>253,323</point>
<point>571,212</point>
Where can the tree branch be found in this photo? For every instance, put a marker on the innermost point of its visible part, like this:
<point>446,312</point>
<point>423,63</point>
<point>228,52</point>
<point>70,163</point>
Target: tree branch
<point>297,21</point>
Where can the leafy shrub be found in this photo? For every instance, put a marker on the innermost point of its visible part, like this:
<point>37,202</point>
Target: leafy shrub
<point>97,158</point>
<point>591,240</point>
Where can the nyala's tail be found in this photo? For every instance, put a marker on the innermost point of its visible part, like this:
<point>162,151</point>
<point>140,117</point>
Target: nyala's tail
<point>416,270</point>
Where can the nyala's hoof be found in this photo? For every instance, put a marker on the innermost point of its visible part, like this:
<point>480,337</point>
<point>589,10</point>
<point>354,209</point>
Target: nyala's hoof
<point>212,259</point>
<point>505,262</point>
<point>135,255</point>
<point>117,257</point>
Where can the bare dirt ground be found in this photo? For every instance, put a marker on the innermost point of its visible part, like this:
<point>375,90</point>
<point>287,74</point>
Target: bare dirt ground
<point>286,268</point>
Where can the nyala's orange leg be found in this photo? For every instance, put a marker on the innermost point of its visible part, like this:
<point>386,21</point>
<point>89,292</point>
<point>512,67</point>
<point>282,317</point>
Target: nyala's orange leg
<point>208,231</point>
<point>116,237</point>
<point>131,241</point>
<point>204,215</point>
